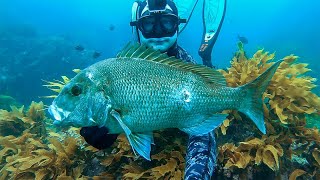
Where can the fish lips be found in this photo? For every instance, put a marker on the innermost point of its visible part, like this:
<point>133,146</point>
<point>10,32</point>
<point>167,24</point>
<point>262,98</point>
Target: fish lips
<point>58,114</point>
<point>62,118</point>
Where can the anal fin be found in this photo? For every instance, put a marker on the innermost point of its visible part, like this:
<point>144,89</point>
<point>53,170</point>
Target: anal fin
<point>206,126</point>
<point>141,143</point>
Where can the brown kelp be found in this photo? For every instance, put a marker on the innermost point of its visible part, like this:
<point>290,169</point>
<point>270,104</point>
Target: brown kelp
<point>289,144</point>
<point>28,153</point>
<point>290,149</point>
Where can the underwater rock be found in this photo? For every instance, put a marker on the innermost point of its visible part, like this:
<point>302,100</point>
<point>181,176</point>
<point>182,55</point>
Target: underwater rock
<point>93,168</point>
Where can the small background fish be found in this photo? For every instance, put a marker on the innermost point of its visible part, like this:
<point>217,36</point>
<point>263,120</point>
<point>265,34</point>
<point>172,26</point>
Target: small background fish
<point>243,39</point>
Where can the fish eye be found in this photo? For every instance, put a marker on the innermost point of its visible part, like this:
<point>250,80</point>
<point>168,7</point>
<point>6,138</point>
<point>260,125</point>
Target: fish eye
<point>76,90</point>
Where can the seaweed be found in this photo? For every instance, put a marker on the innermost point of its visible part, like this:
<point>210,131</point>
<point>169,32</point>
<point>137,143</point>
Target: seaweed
<point>65,155</point>
<point>12,123</point>
<point>289,143</point>
<point>30,148</point>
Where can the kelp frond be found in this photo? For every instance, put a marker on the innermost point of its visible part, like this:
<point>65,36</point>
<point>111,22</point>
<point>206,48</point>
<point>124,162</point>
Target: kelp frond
<point>288,99</point>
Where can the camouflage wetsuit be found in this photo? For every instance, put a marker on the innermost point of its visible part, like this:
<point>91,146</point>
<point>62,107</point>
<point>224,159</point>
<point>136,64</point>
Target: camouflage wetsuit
<point>201,150</point>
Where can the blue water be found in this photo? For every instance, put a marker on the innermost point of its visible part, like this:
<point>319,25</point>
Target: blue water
<point>38,37</point>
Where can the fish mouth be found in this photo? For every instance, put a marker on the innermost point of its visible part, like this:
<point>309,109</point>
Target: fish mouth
<point>58,114</point>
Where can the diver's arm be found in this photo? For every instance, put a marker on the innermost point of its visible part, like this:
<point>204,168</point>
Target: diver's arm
<point>201,157</point>
<point>213,16</point>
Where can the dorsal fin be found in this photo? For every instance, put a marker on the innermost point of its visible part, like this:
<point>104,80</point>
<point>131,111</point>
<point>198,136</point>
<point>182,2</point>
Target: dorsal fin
<point>143,52</point>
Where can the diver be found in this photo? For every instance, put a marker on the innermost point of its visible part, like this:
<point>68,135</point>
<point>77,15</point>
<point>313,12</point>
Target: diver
<point>157,24</point>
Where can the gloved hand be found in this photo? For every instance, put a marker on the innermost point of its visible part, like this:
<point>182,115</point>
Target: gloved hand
<point>98,137</point>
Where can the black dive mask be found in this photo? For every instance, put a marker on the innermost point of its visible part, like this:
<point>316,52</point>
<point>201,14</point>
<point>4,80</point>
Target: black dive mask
<point>158,25</point>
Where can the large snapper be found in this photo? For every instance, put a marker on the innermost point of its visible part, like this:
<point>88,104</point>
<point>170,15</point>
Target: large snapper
<point>142,90</point>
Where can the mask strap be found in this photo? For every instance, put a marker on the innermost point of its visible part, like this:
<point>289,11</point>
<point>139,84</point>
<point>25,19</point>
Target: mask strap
<point>134,16</point>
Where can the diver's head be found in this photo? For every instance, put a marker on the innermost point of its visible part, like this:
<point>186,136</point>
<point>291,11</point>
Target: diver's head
<point>157,23</point>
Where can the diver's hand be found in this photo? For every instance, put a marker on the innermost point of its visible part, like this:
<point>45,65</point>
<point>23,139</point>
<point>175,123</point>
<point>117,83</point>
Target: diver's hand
<point>98,137</point>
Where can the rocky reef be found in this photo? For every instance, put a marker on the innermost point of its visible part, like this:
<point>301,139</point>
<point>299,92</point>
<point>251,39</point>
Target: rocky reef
<point>31,148</point>
<point>27,56</point>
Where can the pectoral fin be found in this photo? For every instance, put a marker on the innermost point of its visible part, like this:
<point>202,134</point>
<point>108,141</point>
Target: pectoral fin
<point>140,142</point>
<point>206,126</point>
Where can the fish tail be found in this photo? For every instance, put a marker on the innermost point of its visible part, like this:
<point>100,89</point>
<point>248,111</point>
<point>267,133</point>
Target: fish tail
<point>253,106</point>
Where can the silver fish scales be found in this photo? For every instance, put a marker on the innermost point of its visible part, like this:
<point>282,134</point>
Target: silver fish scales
<point>143,90</point>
